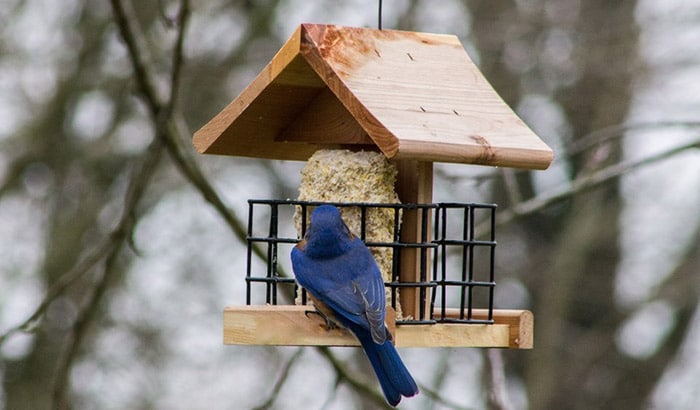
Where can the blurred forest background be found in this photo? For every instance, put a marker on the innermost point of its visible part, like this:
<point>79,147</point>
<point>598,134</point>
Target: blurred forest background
<point>120,246</point>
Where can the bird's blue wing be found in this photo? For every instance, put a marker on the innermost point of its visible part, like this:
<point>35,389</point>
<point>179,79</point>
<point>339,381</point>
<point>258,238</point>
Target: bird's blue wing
<point>350,284</point>
<point>362,300</point>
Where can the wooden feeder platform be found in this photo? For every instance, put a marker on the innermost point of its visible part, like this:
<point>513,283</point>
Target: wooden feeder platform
<point>290,326</point>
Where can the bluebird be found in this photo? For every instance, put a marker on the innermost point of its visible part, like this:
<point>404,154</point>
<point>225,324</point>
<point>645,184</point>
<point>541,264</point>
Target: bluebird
<point>344,282</point>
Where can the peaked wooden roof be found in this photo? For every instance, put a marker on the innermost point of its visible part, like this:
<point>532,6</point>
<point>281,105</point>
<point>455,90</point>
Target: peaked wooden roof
<point>410,95</point>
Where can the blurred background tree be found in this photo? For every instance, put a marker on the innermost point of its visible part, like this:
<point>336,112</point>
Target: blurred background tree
<point>120,246</point>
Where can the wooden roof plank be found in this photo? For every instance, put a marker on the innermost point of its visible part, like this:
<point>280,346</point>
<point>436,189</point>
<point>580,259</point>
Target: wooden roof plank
<point>419,96</point>
<point>413,95</point>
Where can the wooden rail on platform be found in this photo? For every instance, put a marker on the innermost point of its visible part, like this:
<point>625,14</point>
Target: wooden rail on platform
<point>290,325</point>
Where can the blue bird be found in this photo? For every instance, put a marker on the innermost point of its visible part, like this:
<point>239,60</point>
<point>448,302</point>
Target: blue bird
<point>344,282</point>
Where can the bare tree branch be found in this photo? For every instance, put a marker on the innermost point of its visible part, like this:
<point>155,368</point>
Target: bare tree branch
<point>193,173</point>
<point>441,373</point>
<point>125,227</point>
<point>617,131</point>
<point>108,246</point>
<point>178,55</point>
<point>280,381</point>
<point>344,376</point>
<point>439,398</point>
<point>86,315</point>
<point>498,391</point>
<point>581,184</point>
<point>171,126</point>
<point>511,182</point>
<point>134,44</point>
<point>83,266</point>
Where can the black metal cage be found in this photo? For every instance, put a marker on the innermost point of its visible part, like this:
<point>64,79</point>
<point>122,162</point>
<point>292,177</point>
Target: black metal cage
<point>456,266</point>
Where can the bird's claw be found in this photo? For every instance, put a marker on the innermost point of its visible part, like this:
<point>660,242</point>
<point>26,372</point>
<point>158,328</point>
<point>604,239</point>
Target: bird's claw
<point>330,324</point>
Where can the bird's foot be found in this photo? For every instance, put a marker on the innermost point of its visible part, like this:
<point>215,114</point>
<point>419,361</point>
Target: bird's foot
<point>330,324</point>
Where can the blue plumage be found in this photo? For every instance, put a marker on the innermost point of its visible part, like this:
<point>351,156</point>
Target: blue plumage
<point>343,280</point>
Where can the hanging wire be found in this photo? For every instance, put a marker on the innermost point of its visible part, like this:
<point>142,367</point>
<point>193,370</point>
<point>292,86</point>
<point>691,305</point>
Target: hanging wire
<point>379,18</point>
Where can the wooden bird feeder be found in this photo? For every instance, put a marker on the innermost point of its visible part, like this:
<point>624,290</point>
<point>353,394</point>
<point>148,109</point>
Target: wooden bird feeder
<point>415,97</point>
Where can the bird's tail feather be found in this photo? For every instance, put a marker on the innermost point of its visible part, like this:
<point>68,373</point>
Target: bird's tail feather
<point>392,374</point>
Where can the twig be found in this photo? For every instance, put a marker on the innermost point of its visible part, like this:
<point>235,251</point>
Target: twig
<point>193,173</point>
<point>437,397</point>
<point>357,384</point>
<point>511,182</point>
<point>605,134</point>
<point>441,373</point>
<point>83,266</point>
<point>107,246</point>
<point>125,227</point>
<point>195,176</point>
<point>178,56</point>
<point>82,322</point>
<point>331,394</point>
<point>582,184</point>
<point>498,392</point>
<point>280,381</point>
<point>171,129</point>
<point>133,42</point>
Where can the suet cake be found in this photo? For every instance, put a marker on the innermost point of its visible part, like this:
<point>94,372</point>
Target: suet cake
<point>347,176</point>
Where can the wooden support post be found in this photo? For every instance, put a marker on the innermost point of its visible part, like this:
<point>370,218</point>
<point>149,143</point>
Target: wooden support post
<point>414,184</point>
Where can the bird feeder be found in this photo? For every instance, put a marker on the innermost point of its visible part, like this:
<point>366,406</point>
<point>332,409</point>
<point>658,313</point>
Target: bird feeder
<point>416,98</point>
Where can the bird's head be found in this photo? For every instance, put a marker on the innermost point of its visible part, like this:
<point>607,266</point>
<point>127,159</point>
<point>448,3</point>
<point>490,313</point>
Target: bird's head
<point>327,234</point>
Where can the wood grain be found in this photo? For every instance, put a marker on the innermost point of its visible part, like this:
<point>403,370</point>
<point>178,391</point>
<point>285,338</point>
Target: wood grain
<point>411,95</point>
<point>288,325</point>
<point>414,184</point>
